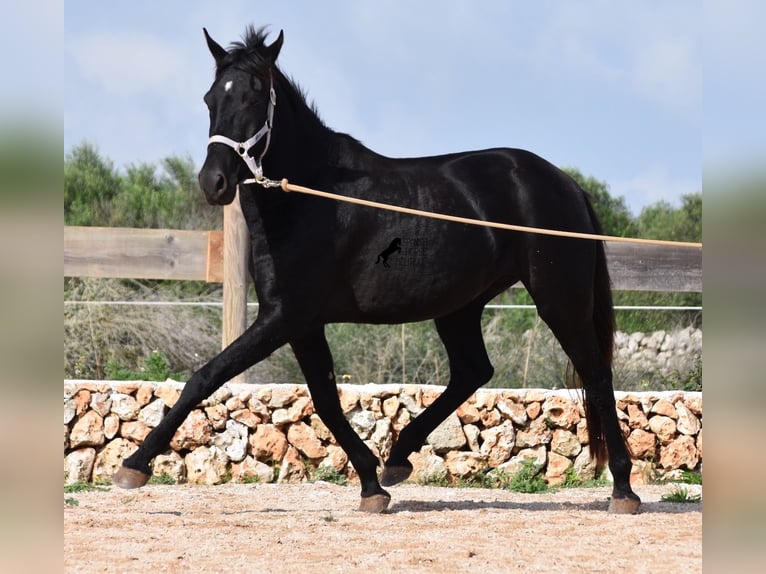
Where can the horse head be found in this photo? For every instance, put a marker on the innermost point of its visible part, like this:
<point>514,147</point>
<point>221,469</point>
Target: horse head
<point>241,103</point>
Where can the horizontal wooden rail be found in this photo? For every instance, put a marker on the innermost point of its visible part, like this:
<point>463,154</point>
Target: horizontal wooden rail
<point>143,253</point>
<point>198,255</point>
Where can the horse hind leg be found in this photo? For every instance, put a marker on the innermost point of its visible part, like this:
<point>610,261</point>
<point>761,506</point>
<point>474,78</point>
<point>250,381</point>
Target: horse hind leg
<point>580,342</point>
<point>470,368</point>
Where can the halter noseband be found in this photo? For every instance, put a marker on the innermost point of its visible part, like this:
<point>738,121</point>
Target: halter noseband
<point>243,148</point>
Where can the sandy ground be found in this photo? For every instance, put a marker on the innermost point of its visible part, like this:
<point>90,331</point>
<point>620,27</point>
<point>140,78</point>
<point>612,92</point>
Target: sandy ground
<point>267,528</point>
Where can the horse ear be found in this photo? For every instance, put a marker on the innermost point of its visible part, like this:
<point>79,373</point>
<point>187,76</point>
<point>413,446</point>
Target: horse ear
<point>215,48</point>
<point>276,46</point>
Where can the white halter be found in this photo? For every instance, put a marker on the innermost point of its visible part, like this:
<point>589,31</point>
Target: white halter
<point>242,148</point>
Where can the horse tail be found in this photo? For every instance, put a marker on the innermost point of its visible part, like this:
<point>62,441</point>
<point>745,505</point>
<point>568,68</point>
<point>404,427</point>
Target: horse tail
<point>604,323</point>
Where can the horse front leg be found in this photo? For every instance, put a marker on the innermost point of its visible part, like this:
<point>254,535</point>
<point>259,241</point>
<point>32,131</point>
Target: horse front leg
<point>314,357</point>
<point>260,340</point>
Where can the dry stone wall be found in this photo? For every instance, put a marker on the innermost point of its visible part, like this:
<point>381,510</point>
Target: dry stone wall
<point>271,433</point>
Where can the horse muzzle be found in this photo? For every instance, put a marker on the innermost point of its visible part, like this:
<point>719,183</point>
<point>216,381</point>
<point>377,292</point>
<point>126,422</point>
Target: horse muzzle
<point>218,189</point>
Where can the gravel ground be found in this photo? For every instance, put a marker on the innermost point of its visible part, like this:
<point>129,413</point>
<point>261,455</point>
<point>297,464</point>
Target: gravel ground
<point>315,527</point>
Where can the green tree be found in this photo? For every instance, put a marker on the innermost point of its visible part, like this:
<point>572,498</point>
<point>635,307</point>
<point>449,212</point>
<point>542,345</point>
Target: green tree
<point>662,221</point>
<point>90,184</point>
<point>145,195</point>
<point>614,214</point>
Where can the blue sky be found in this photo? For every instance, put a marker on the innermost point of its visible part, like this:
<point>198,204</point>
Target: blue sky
<point>612,88</point>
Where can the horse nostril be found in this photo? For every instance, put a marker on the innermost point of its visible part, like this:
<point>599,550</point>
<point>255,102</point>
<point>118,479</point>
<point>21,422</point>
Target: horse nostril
<point>220,184</point>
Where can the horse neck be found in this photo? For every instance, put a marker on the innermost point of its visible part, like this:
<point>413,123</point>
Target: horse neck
<point>301,144</point>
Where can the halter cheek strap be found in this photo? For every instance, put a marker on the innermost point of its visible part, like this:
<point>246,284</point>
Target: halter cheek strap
<point>243,148</point>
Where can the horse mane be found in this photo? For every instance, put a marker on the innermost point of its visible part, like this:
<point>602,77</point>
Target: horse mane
<point>249,55</point>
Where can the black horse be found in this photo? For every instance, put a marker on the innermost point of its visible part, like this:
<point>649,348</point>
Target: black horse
<point>314,261</point>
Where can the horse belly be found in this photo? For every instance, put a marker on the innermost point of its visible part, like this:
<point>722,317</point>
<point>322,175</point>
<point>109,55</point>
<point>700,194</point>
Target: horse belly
<point>420,281</point>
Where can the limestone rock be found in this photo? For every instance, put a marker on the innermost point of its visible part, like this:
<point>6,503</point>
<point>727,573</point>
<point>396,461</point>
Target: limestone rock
<point>556,469</point>
<point>491,417</point>
<point>292,468</point>
<point>300,408</point>
<point>665,408</point>
<point>538,433</point>
<point>320,429</point>
<point>513,410</point>
<point>411,402</point>
<point>642,444</point>
<point>87,431</point>
<point>390,407</point>
<point>134,430</point>
<point>152,413</point>
<point>101,403</point>
<point>401,420</point>
<point>170,464</point>
<point>679,452</point>
<point>472,434</point>
<point>206,465</point>
<point>485,399</point>
<point>282,396</point>
<point>537,455</point>
<point>498,442</point>
<point>81,401</point>
<point>168,394</point>
<point>110,458</point>
<point>560,412</point>
<point>78,465</point>
<point>448,435</point>
<point>217,415</point>
<point>664,427</point>
<point>249,468</point>
<point>349,399</point>
<point>363,423</point>
<point>427,465</point>
<point>111,426</point>
<point>565,443</point>
<point>468,413</point>
<point>246,417</point>
<point>124,406</point>
<point>302,436</point>
<point>233,441</point>
<point>584,466</point>
<point>70,410</point>
<point>194,432</point>
<point>268,443</point>
<point>687,422</point>
<point>636,417</point>
<point>382,437</point>
<point>533,410</point>
<point>336,458</point>
<point>464,463</point>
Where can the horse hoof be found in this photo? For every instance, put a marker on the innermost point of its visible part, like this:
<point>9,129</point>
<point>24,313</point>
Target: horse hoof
<point>624,505</point>
<point>129,478</point>
<point>392,475</point>
<point>374,504</point>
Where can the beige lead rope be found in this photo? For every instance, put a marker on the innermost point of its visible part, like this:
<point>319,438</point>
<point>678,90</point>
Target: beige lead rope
<point>288,187</point>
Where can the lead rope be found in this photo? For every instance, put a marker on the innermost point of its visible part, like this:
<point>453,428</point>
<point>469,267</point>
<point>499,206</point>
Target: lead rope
<point>286,186</point>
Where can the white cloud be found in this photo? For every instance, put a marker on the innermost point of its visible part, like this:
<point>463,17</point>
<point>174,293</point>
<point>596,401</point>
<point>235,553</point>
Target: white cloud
<point>653,50</point>
<point>129,63</point>
<point>651,185</point>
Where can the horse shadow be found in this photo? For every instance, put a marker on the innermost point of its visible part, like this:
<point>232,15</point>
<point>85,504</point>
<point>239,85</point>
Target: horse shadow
<point>659,507</point>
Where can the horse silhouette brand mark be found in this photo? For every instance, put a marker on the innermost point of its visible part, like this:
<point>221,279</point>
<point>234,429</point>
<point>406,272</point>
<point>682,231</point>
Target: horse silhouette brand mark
<point>394,246</point>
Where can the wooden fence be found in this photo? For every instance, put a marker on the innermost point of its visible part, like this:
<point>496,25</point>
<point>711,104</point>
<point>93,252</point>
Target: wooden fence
<point>221,257</point>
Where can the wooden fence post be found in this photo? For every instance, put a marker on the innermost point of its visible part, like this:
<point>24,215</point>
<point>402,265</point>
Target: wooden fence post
<point>235,253</point>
